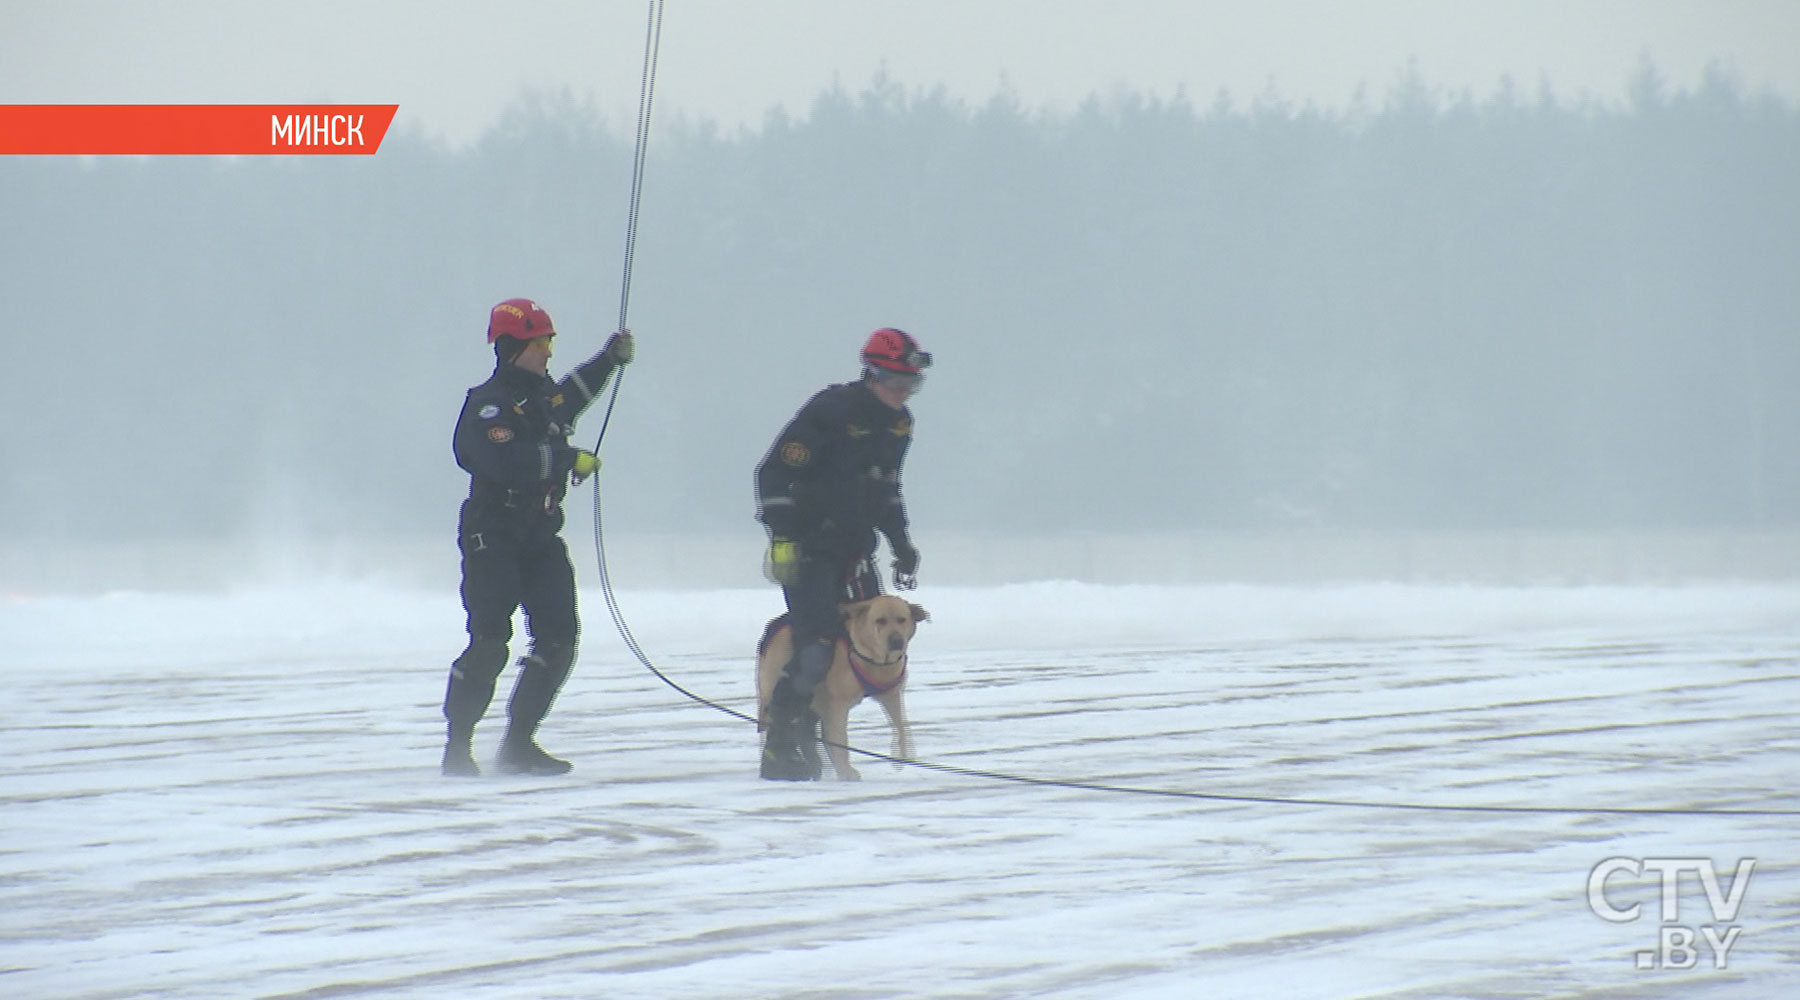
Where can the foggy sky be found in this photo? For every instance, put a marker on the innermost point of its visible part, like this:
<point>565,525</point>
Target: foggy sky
<point>453,65</point>
<point>1424,312</point>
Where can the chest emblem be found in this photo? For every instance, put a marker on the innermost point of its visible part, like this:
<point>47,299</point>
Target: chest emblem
<point>500,435</point>
<point>488,412</point>
<point>795,454</point>
<point>857,431</point>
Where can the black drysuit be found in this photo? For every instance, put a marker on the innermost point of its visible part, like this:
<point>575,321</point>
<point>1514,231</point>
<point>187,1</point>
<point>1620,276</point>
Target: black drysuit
<point>512,439</point>
<point>830,480</point>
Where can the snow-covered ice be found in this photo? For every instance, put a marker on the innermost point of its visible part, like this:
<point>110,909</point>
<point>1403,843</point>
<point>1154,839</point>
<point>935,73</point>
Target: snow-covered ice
<point>237,796</point>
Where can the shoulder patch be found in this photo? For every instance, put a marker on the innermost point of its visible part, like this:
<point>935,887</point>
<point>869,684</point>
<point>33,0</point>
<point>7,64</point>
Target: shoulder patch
<point>902,427</point>
<point>488,412</point>
<point>500,435</point>
<point>795,454</point>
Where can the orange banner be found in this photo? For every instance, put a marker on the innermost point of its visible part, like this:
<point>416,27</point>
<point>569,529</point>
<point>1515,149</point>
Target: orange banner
<point>203,129</point>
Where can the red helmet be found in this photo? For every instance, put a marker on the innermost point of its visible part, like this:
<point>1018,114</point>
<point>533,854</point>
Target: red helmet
<point>521,319</point>
<point>895,351</point>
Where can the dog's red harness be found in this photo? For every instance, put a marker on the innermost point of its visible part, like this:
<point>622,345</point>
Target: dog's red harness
<point>870,687</point>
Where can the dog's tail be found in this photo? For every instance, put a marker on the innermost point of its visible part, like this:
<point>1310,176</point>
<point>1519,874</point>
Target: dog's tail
<point>776,624</point>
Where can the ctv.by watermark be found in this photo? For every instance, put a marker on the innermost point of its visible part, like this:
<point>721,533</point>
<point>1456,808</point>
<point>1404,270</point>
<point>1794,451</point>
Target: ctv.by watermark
<point>1679,945</point>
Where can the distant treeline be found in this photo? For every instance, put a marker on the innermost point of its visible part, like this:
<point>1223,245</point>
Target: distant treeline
<point>1509,312</point>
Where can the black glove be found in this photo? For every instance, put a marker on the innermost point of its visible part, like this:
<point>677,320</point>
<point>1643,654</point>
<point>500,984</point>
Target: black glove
<point>906,564</point>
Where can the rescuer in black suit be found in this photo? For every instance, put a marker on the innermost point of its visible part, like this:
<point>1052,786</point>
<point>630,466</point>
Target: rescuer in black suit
<point>828,483</point>
<point>512,439</point>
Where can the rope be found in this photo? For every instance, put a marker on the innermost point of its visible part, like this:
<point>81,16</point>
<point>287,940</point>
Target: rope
<point>1097,786</point>
<point>646,91</point>
<point>652,46</point>
<point>618,617</point>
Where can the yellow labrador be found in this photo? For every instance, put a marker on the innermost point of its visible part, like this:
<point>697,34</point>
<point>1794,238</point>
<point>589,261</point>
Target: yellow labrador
<point>871,663</point>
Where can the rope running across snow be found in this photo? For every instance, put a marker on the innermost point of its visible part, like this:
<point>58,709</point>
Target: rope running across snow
<point>652,46</point>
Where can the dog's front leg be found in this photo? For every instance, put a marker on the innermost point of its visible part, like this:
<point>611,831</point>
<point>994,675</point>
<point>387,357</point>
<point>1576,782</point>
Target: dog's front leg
<point>895,706</point>
<point>834,725</point>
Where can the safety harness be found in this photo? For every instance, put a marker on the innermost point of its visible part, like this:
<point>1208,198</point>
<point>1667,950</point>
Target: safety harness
<point>870,686</point>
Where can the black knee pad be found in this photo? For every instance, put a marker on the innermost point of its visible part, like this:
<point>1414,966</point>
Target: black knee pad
<point>482,661</point>
<point>556,658</point>
<point>809,665</point>
<point>471,685</point>
<point>541,676</point>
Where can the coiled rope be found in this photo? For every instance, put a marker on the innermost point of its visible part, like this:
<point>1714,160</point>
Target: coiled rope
<point>652,46</point>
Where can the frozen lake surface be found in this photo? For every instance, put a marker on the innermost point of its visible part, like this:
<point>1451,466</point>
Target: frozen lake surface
<point>237,796</point>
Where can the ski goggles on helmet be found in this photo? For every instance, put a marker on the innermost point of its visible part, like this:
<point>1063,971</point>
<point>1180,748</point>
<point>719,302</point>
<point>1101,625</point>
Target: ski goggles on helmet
<point>909,382</point>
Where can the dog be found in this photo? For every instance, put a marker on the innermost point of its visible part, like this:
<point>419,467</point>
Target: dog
<point>870,660</point>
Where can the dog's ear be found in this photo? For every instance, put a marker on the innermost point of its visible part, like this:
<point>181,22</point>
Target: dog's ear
<point>919,613</point>
<point>855,612</point>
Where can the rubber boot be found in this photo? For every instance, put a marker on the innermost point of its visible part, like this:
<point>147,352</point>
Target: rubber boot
<point>791,719</point>
<point>541,675</point>
<point>791,752</point>
<point>459,755</point>
<point>810,666</point>
<point>809,745</point>
<point>520,754</point>
<point>466,698</point>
